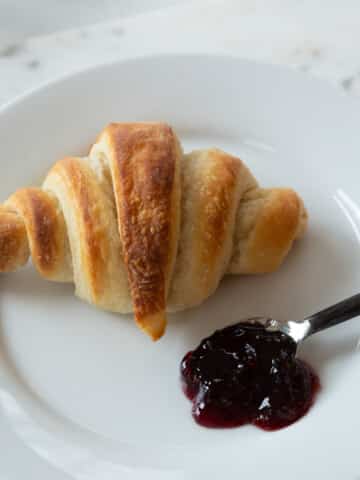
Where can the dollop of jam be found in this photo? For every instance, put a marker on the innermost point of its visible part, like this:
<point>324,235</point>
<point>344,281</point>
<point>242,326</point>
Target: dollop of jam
<point>246,374</point>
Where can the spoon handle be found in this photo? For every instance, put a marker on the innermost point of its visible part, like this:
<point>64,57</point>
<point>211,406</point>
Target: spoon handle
<point>338,313</point>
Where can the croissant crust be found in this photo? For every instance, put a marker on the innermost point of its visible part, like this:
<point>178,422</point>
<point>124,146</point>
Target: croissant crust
<point>139,226</point>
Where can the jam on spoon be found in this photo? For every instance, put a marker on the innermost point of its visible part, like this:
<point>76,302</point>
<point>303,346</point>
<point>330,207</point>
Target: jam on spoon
<point>249,373</point>
<point>246,374</point>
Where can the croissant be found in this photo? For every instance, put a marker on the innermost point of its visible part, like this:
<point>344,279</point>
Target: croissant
<point>139,226</point>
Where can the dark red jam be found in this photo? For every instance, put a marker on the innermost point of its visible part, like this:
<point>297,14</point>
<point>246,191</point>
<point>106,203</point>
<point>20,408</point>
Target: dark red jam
<point>246,374</point>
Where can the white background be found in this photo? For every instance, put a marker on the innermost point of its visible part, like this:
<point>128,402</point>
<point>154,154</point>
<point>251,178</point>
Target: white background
<point>39,17</point>
<point>44,39</point>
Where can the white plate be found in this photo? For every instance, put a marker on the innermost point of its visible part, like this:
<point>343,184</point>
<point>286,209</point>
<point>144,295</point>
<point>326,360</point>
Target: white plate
<point>84,394</point>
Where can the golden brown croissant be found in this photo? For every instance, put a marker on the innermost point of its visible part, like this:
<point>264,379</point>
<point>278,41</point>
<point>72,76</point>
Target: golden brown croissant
<point>139,226</point>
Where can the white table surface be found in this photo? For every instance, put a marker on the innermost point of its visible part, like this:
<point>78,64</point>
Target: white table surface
<point>317,37</point>
<point>20,19</point>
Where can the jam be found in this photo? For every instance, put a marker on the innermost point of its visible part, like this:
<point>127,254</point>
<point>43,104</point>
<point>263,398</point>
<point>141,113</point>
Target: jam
<point>245,374</point>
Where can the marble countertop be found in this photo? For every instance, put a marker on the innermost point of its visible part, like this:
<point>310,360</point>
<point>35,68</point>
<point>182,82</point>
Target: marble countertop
<point>316,37</point>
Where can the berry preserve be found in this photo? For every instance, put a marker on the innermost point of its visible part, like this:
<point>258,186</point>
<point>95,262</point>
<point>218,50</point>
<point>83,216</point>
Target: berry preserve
<point>246,374</point>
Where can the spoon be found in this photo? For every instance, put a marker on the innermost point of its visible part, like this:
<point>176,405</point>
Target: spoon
<point>329,317</point>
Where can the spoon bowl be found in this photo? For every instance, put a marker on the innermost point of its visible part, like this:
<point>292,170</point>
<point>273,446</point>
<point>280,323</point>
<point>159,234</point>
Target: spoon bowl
<point>329,317</point>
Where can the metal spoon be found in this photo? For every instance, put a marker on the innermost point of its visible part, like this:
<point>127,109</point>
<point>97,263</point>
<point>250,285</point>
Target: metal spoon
<point>299,331</point>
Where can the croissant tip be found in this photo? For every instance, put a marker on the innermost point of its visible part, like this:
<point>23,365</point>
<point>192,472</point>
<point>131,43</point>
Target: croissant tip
<point>154,325</point>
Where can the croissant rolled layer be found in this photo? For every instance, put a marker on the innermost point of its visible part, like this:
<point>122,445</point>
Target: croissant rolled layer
<point>139,226</point>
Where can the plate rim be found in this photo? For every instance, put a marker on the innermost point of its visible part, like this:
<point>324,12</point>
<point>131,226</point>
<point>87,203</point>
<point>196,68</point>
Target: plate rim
<point>54,83</point>
<point>91,69</point>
